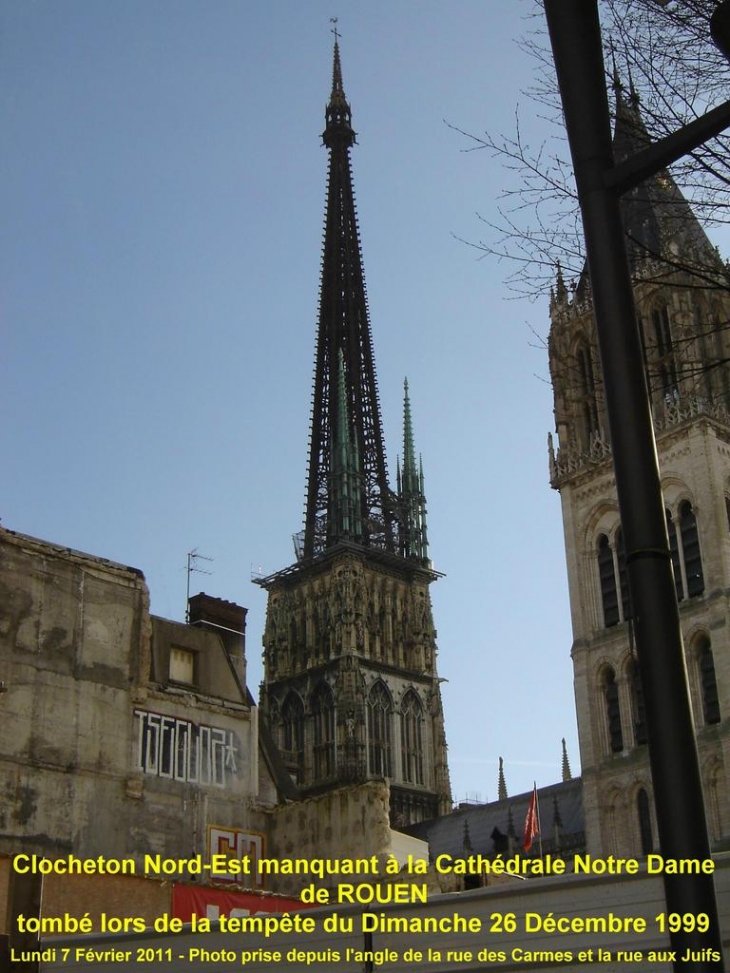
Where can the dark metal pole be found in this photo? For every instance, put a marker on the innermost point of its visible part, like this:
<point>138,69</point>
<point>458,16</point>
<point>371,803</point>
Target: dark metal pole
<point>575,37</point>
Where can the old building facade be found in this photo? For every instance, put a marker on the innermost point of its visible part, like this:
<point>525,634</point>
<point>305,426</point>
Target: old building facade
<point>683,307</point>
<point>123,733</point>
<point>351,689</point>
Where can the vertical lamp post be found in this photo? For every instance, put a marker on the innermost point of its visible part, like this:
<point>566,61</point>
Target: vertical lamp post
<point>575,37</point>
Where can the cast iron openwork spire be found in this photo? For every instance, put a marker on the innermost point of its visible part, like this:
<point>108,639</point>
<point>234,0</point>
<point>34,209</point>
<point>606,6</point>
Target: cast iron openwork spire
<point>345,409</point>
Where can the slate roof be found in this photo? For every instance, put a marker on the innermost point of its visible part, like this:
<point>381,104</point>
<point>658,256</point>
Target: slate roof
<point>658,220</point>
<point>655,213</point>
<point>446,835</point>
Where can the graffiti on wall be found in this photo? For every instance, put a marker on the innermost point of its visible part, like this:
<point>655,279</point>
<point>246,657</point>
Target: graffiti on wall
<point>181,750</point>
<point>236,843</point>
<point>239,844</point>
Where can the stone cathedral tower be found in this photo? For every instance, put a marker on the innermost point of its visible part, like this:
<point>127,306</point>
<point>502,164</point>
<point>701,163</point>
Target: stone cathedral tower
<point>682,291</point>
<point>350,687</point>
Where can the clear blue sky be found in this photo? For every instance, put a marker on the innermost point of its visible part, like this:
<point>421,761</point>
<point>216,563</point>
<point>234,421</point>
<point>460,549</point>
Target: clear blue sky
<point>164,187</point>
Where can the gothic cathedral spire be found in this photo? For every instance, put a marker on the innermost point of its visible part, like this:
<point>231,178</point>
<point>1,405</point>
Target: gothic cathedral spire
<point>344,342</point>
<point>351,691</point>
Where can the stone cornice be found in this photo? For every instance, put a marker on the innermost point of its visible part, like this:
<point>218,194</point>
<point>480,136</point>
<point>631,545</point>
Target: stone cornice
<point>572,466</point>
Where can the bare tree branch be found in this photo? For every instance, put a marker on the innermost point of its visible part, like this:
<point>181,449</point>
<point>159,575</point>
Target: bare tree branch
<point>664,55</point>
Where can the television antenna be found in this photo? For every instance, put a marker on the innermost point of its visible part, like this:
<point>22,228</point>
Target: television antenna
<point>193,558</point>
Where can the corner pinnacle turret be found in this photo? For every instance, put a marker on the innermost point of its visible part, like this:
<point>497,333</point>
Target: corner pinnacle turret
<point>412,502</point>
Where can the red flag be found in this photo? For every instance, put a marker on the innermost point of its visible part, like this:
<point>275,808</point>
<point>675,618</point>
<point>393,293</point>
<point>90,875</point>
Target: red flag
<point>532,821</point>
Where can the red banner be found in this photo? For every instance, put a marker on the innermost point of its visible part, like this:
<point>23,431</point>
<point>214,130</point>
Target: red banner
<point>212,903</point>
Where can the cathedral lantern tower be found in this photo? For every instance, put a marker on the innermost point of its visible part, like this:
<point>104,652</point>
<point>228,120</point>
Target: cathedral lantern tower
<point>350,689</point>
<point>682,295</point>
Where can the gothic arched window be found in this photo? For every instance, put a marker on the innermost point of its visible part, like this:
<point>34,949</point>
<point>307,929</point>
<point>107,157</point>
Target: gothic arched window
<point>412,738</point>
<point>691,549</point>
<point>586,392</point>
<point>669,385</point>
<point>708,682</point>
<point>292,724</point>
<point>613,710</point>
<point>674,550</point>
<point>623,577</point>
<point>644,813</point>
<point>323,718</point>
<point>607,577</point>
<point>379,721</point>
<point>637,703</point>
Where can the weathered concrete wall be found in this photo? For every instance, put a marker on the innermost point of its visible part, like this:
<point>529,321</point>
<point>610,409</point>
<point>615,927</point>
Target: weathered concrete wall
<point>4,899</point>
<point>72,642</point>
<point>100,754</point>
<point>118,896</point>
<point>352,822</point>
<point>103,754</point>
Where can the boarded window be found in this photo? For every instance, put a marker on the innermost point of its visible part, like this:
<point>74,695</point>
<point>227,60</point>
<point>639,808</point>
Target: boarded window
<point>182,666</point>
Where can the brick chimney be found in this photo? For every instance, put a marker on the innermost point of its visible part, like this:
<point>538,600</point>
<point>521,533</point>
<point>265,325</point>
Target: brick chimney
<point>227,619</point>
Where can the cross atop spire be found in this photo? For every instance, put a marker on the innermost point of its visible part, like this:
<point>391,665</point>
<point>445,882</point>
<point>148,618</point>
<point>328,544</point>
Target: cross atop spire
<point>338,91</point>
<point>338,115</point>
